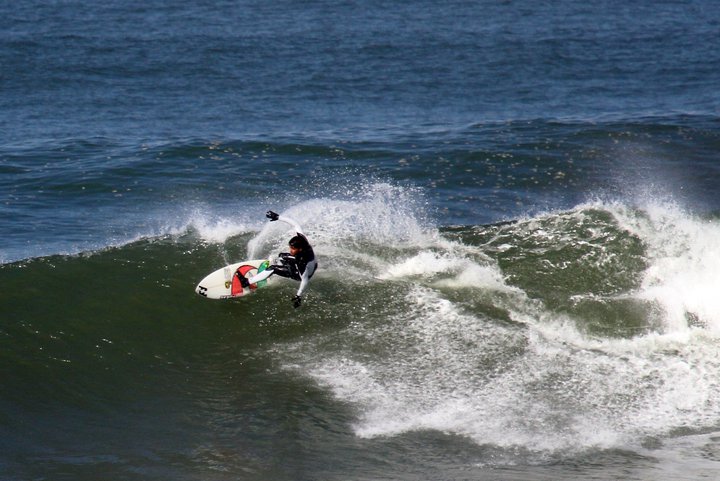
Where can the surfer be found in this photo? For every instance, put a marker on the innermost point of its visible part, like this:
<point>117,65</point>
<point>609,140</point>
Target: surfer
<point>298,264</point>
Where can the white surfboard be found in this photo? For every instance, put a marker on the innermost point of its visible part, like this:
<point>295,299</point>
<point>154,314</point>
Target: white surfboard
<point>224,283</point>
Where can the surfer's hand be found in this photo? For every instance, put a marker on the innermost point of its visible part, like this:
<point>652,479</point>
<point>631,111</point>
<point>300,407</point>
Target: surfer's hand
<point>297,300</point>
<point>272,215</point>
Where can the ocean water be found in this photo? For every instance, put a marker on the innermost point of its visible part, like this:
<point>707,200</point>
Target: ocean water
<point>514,205</point>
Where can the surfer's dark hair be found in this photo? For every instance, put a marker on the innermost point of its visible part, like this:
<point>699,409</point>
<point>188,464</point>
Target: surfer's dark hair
<point>299,242</point>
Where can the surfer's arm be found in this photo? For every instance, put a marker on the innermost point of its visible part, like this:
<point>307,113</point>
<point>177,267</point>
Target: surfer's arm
<point>305,277</point>
<point>304,280</point>
<point>292,222</point>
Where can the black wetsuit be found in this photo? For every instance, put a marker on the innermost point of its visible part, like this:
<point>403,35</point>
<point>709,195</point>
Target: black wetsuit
<point>298,267</point>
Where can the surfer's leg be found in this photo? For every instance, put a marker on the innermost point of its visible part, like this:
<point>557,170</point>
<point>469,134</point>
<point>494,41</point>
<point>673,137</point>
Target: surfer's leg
<point>244,282</point>
<point>282,271</point>
<point>262,275</point>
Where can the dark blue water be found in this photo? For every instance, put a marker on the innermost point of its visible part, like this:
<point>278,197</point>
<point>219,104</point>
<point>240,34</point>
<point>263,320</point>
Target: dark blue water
<point>515,206</point>
<point>346,71</point>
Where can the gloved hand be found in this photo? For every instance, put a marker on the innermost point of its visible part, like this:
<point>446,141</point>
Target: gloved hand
<point>272,216</point>
<point>297,300</point>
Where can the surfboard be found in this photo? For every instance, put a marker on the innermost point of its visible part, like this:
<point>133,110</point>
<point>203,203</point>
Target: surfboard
<point>224,283</point>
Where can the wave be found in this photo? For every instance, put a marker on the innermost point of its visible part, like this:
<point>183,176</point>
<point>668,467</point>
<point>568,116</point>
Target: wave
<point>595,327</point>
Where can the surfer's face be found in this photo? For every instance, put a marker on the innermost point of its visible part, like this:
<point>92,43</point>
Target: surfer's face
<point>294,250</point>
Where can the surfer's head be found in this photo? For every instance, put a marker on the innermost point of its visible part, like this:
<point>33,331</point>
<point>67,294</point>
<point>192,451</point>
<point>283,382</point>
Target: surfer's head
<point>298,243</point>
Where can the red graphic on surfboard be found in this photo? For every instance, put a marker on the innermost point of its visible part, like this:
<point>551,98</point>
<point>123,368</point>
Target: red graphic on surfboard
<point>245,271</point>
<point>237,288</point>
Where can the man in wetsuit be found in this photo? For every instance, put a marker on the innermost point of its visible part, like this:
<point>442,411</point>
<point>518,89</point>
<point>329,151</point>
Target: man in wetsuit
<point>298,264</point>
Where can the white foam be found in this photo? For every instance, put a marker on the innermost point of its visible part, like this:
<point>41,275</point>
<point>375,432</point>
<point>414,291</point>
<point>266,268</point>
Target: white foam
<point>552,397</point>
<point>538,382</point>
<point>379,215</point>
<point>683,275</point>
<point>216,229</point>
<point>425,264</point>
